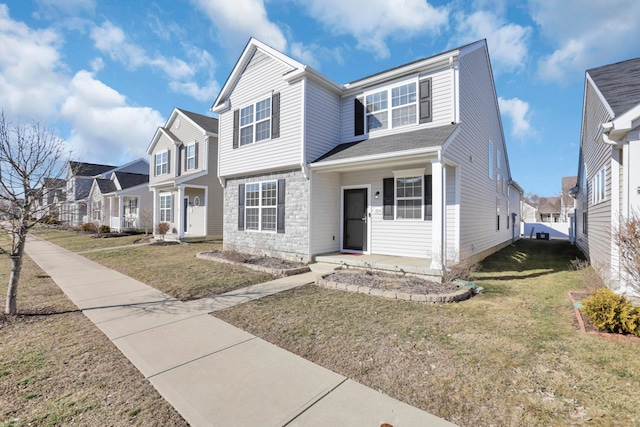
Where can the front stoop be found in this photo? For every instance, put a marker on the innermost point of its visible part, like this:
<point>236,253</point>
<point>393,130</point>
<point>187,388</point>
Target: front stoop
<point>281,272</point>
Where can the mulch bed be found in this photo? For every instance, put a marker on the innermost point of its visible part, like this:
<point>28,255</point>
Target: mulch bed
<point>271,265</point>
<point>386,281</point>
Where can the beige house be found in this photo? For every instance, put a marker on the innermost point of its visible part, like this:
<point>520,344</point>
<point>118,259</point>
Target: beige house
<point>185,191</point>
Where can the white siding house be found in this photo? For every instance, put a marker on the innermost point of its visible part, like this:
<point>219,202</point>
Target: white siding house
<point>609,165</point>
<point>182,176</point>
<point>408,162</point>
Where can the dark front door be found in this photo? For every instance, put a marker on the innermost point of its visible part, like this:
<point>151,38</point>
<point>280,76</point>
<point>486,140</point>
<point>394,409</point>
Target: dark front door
<point>355,220</point>
<point>185,220</point>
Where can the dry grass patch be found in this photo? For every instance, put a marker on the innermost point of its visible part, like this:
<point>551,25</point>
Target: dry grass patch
<point>57,368</point>
<point>511,356</point>
<point>78,241</point>
<point>176,270</point>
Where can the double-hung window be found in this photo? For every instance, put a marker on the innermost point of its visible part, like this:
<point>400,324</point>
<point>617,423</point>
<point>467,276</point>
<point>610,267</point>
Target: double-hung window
<point>261,206</point>
<point>403,108</point>
<point>409,195</point>
<point>191,157</point>
<point>165,207</point>
<point>162,163</point>
<point>255,122</point>
<point>96,210</point>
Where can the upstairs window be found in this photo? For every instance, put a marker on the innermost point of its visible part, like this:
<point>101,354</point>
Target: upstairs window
<point>255,122</point>
<point>598,187</point>
<point>162,163</point>
<point>404,107</point>
<point>191,157</point>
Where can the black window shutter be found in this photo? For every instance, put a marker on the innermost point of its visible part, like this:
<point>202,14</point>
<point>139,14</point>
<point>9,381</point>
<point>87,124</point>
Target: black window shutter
<point>358,114</point>
<point>280,219</point>
<point>275,115</point>
<point>428,197</point>
<point>196,159</point>
<point>241,207</point>
<point>169,161</point>
<point>387,197</point>
<point>236,127</point>
<point>179,167</point>
<point>425,101</point>
<point>155,163</point>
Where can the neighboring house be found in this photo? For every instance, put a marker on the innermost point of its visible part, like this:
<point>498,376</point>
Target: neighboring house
<point>609,164</point>
<point>122,202</point>
<point>529,213</point>
<point>567,202</point>
<point>182,178</point>
<point>79,179</point>
<point>550,209</point>
<point>408,162</point>
<point>52,190</point>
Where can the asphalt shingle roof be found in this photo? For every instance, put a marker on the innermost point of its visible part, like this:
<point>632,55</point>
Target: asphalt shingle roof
<point>619,83</point>
<point>106,186</point>
<point>128,180</point>
<point>210,124</point>
<point>430,137</point>
<point>89,169</point>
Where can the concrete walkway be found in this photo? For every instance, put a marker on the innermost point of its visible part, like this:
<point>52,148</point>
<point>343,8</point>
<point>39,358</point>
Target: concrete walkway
<point>213,373</point>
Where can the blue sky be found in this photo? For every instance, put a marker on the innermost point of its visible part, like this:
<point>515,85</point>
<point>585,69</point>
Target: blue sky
<point>105,74</point>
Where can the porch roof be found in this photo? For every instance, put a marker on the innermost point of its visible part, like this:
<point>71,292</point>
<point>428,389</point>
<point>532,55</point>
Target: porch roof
<point>106,185</point>
<point>128,180</point>
<point>406,141</point>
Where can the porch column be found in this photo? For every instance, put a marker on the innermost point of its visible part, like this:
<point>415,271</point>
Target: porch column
<point>178,210</point>
<point>110,211</point>
<point>120,213</point>
<point>154,212</point>
<point>438,218</point>
<point>615,212</point>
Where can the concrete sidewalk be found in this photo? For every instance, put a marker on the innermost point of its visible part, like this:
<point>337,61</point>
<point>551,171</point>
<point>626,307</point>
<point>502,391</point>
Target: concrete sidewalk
<point>213,373</point>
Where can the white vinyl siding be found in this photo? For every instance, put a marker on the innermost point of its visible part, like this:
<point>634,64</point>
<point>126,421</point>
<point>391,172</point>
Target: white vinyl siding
<point>399,238</point>
<point>262,77</point>
<point>480,128</point>
<point>321,107</point>
<point>325,213</point>
<point>441,88</point>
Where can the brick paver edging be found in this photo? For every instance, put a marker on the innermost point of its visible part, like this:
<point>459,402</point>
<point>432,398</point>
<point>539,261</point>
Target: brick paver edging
<point>275,271</point>
<point>460,295</point>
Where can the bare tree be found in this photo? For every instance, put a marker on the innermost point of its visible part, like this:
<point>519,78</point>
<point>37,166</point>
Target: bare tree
<point>626,236</point>
<point>28,155</point>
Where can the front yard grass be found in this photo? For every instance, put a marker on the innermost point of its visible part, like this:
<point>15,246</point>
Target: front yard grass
<point>510,356</point>
<point>172,269</point>
<point>57,368</point>
<point>78,241</point>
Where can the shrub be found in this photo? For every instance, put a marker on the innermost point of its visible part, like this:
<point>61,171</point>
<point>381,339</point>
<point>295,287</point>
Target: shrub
<point>611,312</point>
<point>162,228</point>
<point>105,229</point>
<point>90,227</point>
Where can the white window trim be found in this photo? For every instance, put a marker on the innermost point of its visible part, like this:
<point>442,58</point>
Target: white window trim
<point>254,122</point>
<point>169,209</point>
<point>408,173</point>
<point>165,163</point>
<point>599,187</point>
<point>186,153</point>
<point>260,207</point>
<point>390,108</point>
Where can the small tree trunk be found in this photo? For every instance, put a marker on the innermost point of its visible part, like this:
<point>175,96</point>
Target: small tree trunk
<point>14,277</point>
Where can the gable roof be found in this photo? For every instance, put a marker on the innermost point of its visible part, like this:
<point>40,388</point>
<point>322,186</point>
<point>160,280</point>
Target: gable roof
<point>209,124</point>
<point>128,180</point>
<point>549,205</point>
<point>428,137</point>
<point>105,185</point>
<point>54,183</point>
<point>89,169</point>
<point>568,182</point>
<point>619,84</point>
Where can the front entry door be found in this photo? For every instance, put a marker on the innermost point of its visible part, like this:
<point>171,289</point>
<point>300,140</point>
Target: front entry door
<point>355,219</point>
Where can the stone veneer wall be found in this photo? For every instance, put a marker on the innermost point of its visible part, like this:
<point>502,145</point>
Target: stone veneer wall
<point>293,244</point>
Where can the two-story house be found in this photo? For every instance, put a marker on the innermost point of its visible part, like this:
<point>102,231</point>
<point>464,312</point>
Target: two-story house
<point>609,165</point>
<point>182,178</point>
<point>122,202</point>
<point>52,190</point>
<point>410,162</point>
<point>80,176</point>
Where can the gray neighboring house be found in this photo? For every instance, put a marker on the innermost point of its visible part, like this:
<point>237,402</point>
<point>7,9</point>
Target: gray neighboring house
<point>49,199</point>
<point>409,162</point>
<point>122,202</point>
<point>608,184</point>
<point>79,179</point>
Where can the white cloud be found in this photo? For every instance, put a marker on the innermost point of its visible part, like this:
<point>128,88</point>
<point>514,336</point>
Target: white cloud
<point>182,75</point>
<point>238,20</point>
<point>69,7</point>
<point>585,34</point>
<point>314,54</point>
<point>105,128</point>
<point>517,111</point>
<point>507,41</point>
<point>372,22</point>
<point>32,82</point>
